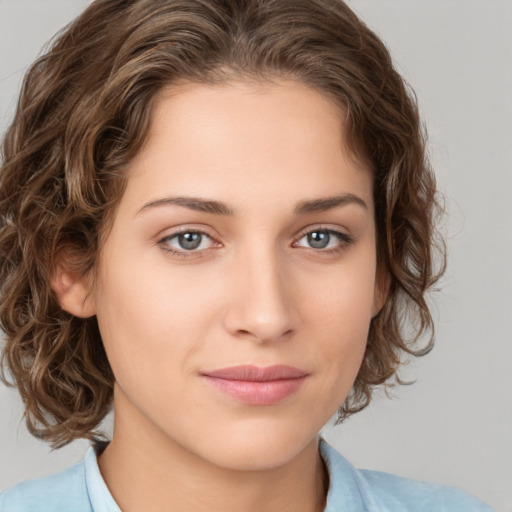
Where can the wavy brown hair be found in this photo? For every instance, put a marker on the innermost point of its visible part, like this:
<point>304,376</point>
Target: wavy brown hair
<point>83,113</point>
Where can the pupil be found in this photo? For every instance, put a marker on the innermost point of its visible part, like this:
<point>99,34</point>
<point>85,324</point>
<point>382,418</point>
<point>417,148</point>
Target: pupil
<point>189,241</point>
<point>318,239</point>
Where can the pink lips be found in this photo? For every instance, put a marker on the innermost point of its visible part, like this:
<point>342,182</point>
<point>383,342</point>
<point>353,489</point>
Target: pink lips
<point>254,385</point>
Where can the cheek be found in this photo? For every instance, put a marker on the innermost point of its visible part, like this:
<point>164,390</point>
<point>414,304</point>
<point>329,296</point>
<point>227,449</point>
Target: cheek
<point>155,318</point>
<point>343,295</point>
<point>339,313</point>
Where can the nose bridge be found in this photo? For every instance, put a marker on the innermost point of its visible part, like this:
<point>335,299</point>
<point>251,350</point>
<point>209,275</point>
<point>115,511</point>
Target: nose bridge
<point>261,307</point>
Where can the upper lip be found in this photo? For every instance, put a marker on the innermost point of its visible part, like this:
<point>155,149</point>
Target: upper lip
<point>257,373</point>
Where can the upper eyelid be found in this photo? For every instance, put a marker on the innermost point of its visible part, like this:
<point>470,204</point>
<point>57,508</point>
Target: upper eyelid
<point>320,227</point>
<point>175,231</point>
<point>304,231</point>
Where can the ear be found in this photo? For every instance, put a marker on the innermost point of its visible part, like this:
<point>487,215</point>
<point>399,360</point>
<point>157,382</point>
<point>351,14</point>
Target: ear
<point>381,292</point>
<point>73,291</point>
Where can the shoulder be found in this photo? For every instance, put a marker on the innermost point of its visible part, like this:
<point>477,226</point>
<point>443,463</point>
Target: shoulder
<point>63,491</point>
<point>374,491</point>
<point>401,494</point>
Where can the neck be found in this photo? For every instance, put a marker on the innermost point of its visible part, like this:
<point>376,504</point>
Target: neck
<point>145,470</point>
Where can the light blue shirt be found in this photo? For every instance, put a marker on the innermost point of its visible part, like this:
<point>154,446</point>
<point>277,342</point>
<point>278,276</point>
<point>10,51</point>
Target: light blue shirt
<point>81,488</point>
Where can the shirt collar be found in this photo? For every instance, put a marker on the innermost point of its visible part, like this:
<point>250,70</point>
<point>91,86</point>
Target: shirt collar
<point>343,491</point>
<point>99,494</point>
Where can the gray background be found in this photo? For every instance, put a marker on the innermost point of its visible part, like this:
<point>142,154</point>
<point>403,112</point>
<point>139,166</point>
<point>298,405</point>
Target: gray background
<point>454,425</point>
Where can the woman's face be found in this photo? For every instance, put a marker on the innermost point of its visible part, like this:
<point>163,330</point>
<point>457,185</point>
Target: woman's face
<point>245,238</point>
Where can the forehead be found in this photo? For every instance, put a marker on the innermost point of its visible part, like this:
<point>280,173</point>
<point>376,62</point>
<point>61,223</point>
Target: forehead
<point>241,108</point>
<point>270,140</point>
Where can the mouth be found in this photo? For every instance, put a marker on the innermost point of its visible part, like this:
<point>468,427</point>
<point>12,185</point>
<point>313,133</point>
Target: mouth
<point>253,385</point>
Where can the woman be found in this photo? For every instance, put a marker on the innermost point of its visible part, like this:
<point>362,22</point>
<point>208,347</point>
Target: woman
<point>216,216</point>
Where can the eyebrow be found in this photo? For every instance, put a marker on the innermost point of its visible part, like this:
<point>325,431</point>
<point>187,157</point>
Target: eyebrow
<point>328,203</point>
<point>218,208</point>
<point>193,203</point>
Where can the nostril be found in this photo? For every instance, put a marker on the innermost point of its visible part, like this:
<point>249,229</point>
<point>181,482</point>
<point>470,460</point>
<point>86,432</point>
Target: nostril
<point>261,336</point>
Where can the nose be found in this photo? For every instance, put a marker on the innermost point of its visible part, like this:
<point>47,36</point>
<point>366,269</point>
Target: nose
<point>261,299</point>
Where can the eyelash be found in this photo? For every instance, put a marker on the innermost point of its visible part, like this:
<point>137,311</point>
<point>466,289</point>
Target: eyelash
<point>344,241</point>
<point>183,254</point>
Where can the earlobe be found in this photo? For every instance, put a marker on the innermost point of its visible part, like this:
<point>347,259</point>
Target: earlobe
<point>73,292</point>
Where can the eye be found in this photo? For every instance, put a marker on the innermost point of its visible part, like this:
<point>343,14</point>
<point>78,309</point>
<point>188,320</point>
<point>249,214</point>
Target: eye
<point>186,241</point>
<point>323,239</point>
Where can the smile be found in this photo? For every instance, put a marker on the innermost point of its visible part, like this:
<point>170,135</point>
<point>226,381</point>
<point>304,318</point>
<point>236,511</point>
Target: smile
<point>254,385</point>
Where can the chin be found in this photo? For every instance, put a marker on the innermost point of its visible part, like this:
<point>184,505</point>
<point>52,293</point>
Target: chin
<point>256,448</point>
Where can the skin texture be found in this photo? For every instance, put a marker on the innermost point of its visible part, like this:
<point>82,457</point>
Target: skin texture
<point>254,292</point>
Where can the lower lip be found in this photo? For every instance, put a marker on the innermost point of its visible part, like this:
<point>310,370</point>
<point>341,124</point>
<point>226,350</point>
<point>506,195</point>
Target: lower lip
<point>257,393</point>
